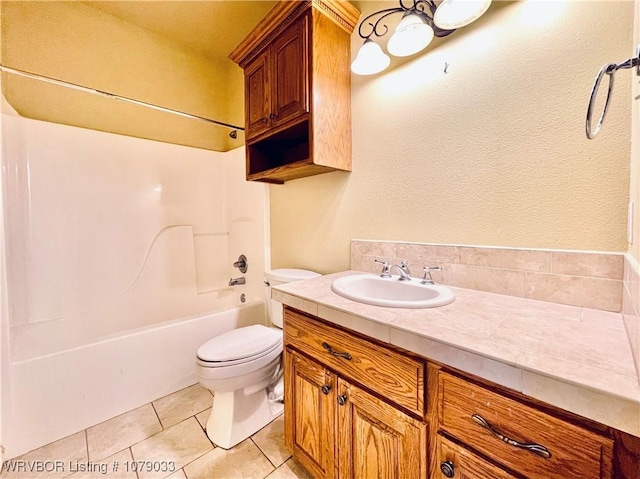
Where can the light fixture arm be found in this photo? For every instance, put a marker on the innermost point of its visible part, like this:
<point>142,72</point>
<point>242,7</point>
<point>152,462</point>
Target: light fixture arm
<point>421,21</point>
<point>373,24</point>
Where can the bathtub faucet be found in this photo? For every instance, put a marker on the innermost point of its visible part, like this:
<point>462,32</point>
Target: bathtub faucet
<point>237,281</point>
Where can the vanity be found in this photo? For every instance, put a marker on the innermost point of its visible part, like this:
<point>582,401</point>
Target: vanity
<point>375,391</point>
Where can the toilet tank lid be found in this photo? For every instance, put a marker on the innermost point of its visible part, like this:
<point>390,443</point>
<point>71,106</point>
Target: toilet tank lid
<point>240,343</point>
<point>287,275</point>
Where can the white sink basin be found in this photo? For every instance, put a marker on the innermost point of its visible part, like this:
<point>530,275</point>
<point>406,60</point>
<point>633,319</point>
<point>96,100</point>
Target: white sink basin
<point>391,292</point>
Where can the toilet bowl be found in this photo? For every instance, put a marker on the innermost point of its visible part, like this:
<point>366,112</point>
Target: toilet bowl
<point>243,370</point>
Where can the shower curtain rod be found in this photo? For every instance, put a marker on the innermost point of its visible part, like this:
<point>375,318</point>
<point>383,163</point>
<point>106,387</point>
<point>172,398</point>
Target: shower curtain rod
<point>74,86</point>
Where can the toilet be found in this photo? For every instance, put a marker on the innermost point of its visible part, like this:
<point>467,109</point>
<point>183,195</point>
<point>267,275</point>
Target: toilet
<point>243,370</point>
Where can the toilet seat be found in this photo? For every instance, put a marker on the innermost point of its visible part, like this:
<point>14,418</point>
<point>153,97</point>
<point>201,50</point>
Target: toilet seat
<point>240,346</point>
<point>223,370</point>
<point>234,362</point>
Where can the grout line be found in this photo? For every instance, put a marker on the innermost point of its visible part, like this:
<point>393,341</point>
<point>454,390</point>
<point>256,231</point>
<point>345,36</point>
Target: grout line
<point>203,410</point>
<point>262,452</point>
<point>86,443</point>
<point>195,459</point>
<point>159,432</point>
<point>157,415</point>
<point>273,472</point>
<point>132,458</point>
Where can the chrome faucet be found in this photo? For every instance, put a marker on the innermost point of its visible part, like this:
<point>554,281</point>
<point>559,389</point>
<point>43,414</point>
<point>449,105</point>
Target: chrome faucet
<point>403,268</point>
<point>237,281</point>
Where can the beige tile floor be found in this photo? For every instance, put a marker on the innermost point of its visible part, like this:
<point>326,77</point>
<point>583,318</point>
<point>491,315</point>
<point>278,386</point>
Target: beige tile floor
<point>167,433</point>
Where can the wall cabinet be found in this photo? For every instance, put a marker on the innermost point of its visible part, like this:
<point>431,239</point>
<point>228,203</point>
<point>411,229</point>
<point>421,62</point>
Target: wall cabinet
<point>298,90</point>
<point>276,81</point>
<point>357,408</point>
<point>336,428</point>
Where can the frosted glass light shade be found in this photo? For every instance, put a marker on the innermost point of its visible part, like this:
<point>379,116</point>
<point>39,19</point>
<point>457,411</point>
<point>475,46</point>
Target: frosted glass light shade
<point>370,59</point>
<point>452,14</point>
<point>411,36</point>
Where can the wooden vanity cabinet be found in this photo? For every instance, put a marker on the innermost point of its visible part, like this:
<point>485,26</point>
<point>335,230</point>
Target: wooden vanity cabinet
<point>357,408</point>
<point>298,90</point>
<point>335,427</point>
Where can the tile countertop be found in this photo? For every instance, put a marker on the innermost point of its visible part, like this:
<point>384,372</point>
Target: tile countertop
<point>574,358</point>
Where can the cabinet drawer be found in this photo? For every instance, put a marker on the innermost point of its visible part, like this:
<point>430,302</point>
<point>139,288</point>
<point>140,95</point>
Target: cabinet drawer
<point>392,375</point>
<point>456,462</point>
<point>573,451</point>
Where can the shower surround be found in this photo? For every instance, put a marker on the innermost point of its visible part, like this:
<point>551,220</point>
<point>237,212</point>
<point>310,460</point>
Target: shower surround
<point>119,253</point>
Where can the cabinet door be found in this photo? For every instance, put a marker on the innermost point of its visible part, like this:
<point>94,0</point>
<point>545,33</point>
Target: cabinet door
<point>291,72</point>
<point>456,462</point>
<point>377,440</point>
<point>257,95</point>
<point>310,414</point>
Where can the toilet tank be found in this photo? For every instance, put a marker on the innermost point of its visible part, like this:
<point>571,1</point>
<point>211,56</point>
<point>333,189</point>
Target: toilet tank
<point>281,276</point>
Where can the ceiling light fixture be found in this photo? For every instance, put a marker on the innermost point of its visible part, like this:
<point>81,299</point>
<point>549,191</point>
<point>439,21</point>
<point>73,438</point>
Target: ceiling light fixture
<point>420,23</point>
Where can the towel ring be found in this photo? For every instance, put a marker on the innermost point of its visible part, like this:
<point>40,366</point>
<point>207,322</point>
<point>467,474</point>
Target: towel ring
<point>609,70</point>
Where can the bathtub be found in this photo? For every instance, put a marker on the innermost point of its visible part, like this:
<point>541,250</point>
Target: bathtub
<point>59,394</point>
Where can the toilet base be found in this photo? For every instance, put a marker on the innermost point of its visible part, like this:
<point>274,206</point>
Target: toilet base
<point>236,416</point>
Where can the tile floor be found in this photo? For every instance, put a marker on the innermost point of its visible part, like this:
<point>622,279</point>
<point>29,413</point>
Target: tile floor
<point>169,432</point>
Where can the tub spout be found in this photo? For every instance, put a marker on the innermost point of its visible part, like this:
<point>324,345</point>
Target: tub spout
<point>237,281</point>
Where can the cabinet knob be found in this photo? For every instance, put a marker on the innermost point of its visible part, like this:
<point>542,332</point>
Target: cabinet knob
<point>325,389</point>
<point>272,116</point>
<point>447,469</point>
<point>264,120</point>
<point>342,399</point>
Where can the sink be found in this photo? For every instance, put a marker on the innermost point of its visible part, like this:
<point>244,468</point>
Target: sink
<point>391,292</point>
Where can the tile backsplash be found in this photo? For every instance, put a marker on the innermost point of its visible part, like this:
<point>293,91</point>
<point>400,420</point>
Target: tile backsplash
<point>590,280</point>
<point>631,306</point>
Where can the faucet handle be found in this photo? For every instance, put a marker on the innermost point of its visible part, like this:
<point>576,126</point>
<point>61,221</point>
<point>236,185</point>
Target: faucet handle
<point>386,268</point>
<point>432,268</point>
<point>426,277</point>
<point>242,264</point>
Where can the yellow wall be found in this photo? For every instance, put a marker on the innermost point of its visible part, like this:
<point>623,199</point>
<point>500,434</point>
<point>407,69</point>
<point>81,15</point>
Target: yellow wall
<point>491,153</point>
<point>73,42</point>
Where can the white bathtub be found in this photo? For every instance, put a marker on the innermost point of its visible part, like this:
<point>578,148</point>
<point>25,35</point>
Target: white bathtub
<point>59,394</point>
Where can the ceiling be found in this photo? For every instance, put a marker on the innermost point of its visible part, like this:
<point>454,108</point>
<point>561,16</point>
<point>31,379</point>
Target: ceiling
<point>209,27</point>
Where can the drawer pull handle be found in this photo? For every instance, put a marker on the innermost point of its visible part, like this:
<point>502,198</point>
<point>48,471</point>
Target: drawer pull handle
<point>346,356</point>
<point>534,448</point>
<point>325,389</point>
<point>447,469</point>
